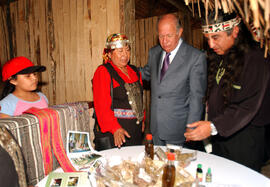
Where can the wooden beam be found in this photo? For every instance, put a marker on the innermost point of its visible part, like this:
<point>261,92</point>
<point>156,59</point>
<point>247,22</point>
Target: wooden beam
<point>180,6</point>
<point>175,3</point>
<point>152,6</point>
<point>6,2</point>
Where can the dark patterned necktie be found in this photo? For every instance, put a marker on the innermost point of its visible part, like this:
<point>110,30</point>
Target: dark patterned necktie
<point>165,65</point>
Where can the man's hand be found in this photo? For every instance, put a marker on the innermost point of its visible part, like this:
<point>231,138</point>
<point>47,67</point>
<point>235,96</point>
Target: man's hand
<point>197,131</point>
<point>119,137</point>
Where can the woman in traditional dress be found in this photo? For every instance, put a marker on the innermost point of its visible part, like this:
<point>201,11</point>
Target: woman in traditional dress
<point>118,97</point>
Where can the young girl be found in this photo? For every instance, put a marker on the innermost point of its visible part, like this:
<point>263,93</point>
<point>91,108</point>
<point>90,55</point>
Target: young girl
<point>19,94</point>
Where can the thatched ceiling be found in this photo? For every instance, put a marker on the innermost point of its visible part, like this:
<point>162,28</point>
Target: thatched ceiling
<point>253,12</point>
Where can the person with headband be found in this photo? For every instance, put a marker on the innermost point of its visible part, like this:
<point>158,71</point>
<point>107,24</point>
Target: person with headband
<point>20,91</point>
<point>238,96</point>
<point>118,97</point>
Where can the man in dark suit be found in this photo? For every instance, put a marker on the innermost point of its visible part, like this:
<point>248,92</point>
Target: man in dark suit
<point>178,81</point>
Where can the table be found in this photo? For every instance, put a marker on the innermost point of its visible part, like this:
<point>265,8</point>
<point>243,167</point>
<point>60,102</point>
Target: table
<point>225,173</point>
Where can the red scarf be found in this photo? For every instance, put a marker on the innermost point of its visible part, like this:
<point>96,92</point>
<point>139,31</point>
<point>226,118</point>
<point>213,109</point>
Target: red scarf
<point>50,130</point>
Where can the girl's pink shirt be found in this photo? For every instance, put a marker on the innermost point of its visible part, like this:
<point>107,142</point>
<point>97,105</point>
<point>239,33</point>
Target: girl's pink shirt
<point>25,105</point>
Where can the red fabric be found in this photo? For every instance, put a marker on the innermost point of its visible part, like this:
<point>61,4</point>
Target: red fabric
<point>102,98</point>
<point>57,144</point>
<point>45,133</point>
<point>50,130</point>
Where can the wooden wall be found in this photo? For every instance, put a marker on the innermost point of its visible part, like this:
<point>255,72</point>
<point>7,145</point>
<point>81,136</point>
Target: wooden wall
<point>66,36</point>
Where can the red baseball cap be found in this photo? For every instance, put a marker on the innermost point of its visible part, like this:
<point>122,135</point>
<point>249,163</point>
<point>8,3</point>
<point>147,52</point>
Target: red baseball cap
<point>19,65</point>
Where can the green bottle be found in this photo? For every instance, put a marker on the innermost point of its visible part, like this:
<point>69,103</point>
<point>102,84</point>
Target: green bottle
<point>199,172</point>
<point>208,176</point>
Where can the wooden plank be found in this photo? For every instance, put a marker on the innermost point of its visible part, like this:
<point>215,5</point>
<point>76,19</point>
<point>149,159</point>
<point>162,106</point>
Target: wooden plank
<point>122,16</point>
<point>20,36</point>
<point>197,38</point>
<point>66,49</point>
<point>43,41</point>
<point>80,54</point>
<point>98,30</point>
<point>59,53</point>
<point>13,17</point>
<point>150,34</point>
<point>49,50</point>
<point>142,61</point>
<point>142,42</point>
<point>129,25</point>
<point>155,32</point>
<point>72,67</point>
<point>33,32</point>
<point>113,15</point>
<point>4,36</point>
<point>148,45</point>
<point>147,38</point>
<point>137,44</point>
<point>86,54</point>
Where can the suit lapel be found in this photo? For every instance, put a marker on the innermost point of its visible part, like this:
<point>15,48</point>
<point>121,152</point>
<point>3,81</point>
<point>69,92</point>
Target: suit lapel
<point>180,54</point>
<point>159,65</point>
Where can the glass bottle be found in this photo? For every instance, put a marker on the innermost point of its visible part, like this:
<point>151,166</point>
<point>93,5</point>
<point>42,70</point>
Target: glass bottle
<point>149,146</point>
<point>168,177</point>
<point>208,176</point>
<point>199,172</point>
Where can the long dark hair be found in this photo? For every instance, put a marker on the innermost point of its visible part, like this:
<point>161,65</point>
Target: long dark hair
<point>233,60</point>
<point>8,87</point>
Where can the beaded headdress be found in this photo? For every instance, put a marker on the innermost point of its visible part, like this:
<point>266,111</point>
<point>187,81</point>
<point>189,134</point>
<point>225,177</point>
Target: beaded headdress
<point>114,41</point>
<point>117,40</point>
<point>222,26</point>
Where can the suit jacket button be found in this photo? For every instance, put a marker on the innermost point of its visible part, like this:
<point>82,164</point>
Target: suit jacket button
<point>159,97</point>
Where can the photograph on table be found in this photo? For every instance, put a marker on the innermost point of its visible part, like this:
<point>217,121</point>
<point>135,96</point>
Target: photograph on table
<point>56,182</point>
<point>85,161</point>
<point>79,150</point>
<point>67,179</point>
<point>78,142</point>
<point>73,181</point>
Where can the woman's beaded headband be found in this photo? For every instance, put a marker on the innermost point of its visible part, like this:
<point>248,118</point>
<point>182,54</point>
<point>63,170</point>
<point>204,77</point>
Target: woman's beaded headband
<point>114,41</point>
<point>117,40</point>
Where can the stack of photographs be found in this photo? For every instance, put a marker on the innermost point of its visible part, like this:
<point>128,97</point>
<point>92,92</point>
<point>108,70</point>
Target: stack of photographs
<point>80,151</point>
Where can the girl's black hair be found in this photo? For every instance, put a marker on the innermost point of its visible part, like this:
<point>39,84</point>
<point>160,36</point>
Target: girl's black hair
<point>8,88</point>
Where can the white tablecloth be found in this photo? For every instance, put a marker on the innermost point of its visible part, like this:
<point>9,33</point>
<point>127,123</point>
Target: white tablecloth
<point>225,173</point>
